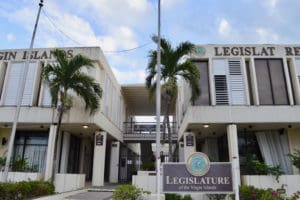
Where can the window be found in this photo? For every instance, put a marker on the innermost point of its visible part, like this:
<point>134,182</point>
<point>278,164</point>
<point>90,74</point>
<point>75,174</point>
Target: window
<point>3,67</point>
<point>271,82</point>
<point>32,147</point>
<point>248,148</point>
<point>229,82</point>
<point>204,83</point>
<point>46,98</point>
<point>14,76</point>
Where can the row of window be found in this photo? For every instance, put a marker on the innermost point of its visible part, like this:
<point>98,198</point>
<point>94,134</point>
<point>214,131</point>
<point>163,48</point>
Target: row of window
<point>113,102</point>
<point>35,91</point>
<point>230,80</point>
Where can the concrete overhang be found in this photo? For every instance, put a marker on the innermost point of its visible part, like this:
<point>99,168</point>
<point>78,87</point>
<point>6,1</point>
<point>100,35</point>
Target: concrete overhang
<point>138,101</point>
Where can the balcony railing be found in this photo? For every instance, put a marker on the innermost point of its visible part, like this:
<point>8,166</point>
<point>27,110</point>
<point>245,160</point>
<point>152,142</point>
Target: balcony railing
<point>147,131</point>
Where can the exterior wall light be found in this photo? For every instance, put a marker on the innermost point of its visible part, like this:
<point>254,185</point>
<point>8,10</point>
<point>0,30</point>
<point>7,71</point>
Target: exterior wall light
<point>85,126</point>
<point>205,125</point>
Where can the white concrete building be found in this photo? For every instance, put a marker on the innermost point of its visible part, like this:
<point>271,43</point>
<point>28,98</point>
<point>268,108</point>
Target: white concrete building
<point>77,151</point>
<point>249,106</point>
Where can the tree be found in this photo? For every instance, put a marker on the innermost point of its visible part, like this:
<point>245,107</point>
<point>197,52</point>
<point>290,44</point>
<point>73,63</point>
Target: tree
<point>172,68</point>
<point>66,75</point>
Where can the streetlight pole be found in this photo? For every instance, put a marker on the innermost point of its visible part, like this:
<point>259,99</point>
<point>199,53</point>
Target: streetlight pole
<point>158,99</point>
<point>20,97</point>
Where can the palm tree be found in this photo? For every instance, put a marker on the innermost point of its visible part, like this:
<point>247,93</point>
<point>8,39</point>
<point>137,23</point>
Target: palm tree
<point>172,68</point>
<point>64,76</point>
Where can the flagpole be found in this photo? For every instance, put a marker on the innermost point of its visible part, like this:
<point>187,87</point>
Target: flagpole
<point>20,97</point>
<point>158,108</point>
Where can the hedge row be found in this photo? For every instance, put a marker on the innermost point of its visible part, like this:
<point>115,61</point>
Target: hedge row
<point>25,190</point>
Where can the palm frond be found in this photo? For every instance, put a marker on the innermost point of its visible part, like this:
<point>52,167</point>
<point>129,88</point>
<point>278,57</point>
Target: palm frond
<point>183,48</point>
<point>65,75</point>
<point>86,87</point>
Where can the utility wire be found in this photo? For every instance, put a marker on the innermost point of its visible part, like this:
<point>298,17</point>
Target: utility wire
<point>126,50</point>
<point>78,43</point>
<point>62,32</point>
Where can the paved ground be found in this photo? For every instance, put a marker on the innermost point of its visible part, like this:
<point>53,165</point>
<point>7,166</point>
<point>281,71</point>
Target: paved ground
<point>91,196</point>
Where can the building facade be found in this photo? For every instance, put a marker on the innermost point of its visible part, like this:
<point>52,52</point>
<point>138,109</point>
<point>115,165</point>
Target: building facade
<point>249,109</point>
<point>77,151</point>
<point>249,106</point>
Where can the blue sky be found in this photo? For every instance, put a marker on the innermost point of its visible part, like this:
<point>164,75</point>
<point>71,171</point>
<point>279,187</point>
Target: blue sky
<point>124,24</point>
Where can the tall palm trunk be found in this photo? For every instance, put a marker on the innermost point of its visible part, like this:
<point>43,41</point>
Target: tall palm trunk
<point>167,113</point>
<point>55,160</point>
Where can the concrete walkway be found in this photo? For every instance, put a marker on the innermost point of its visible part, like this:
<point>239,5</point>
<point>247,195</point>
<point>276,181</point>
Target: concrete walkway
<point>95,193</point>
<point>91,196</point>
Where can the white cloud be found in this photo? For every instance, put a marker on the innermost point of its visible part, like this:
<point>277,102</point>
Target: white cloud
<point>273,3</point>
<point>109,13</point>
<point>10,37</point>
<point>266,36</point>
<point>136,76</point>
<point>224,28</point>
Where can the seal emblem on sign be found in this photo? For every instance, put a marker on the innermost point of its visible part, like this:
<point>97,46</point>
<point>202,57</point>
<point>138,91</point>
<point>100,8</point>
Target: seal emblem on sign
<point>198,164</point>
<point>200,51</point>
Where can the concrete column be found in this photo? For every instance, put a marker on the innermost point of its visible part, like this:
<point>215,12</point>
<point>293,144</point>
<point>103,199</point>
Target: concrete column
<point>114,162</point>
<point>189,144</point>
<point>211,83</point>
<point>244,72</point>
<point>99,158</point>
<point>288,82</point>
<point>233,149</point>
<point>65,152</point>
<point>295,81</point>
<point>50,152</point>
<point>253,82</point>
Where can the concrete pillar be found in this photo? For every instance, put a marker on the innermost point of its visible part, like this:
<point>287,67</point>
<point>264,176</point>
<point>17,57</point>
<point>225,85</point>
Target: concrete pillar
<point>114,162</point>
<point>233,149</point>
<point>212,91</point>
<point>65,152</point>
<point>50,153</point>
<point>189,144</point>
<point>288,81</point>
<point>245,77</point>
<point>295,80</point>
<point>253,82</point>
<point>99,158</point>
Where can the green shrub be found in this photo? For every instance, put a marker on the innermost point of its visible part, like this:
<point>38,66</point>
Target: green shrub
<point>255,167</point>
<point>20,165</point>
<point>2,162</point>
<point>250,193</point>
<point>216,196</point>
<point>295,158</point>
<point>24,190</point>
<point>177,197</point>
<point>127,192</point>
<point>148,165</point>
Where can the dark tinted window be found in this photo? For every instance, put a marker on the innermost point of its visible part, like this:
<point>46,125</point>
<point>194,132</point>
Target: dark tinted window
<point>204,83</point>
<point>271,82</point>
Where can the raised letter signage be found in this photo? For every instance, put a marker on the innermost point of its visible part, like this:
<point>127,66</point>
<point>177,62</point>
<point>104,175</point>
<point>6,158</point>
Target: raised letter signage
<point>197,175</point>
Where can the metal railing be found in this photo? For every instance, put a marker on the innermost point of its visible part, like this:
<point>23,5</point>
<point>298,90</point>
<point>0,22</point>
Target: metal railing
<point>147,130</point>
